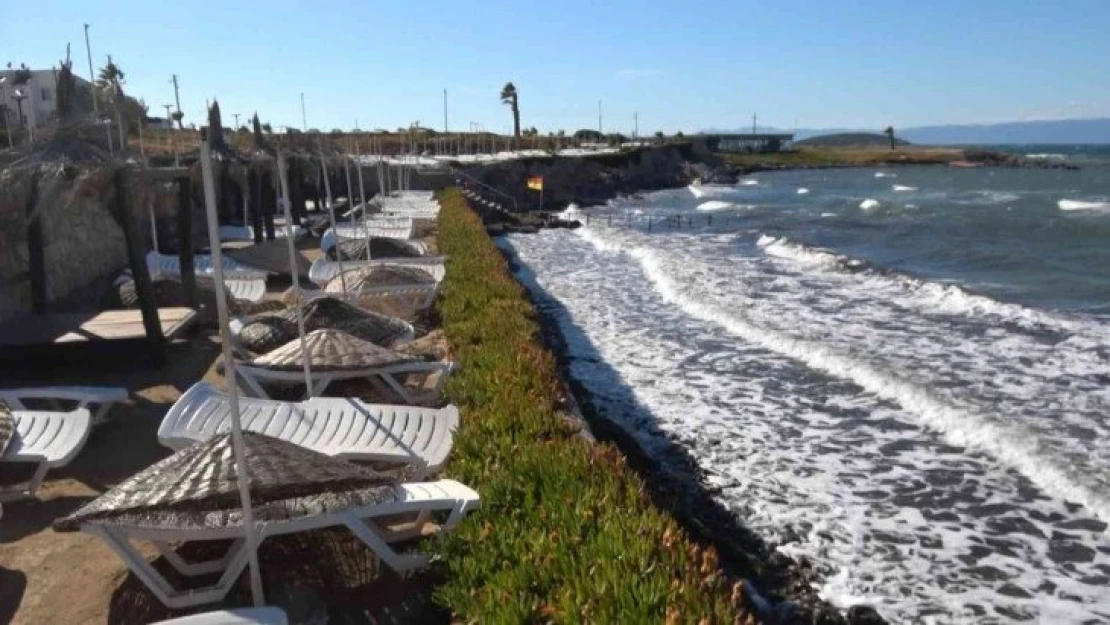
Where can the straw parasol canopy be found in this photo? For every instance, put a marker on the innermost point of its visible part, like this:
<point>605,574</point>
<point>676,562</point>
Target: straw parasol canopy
<point>196,487</point>
<point>273,256</point>
<point>265,332</point>
<point>380,247</point>
<point>7,427</point>
<point>374,276</point>
<point>330,349</point>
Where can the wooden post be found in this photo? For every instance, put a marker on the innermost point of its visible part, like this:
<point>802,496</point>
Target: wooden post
<point>269,200</point>
<point>185,240</point>
<point>223,203</point>
<point>296,192</point>
<point>144,288</point>
<point>36,249</point>
<point>255,178</point>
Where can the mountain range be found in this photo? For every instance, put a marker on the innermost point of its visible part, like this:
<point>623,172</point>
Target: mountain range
<point>1063,131</point>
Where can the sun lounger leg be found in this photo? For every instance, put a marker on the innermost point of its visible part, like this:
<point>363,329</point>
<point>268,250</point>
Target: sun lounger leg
<point>322,382</point>
<point>158,584</point>
<point>250,384</point>
<point>28,490</point>
<point>397,387</point>
<point>192,569</point>
<point>402,563</point>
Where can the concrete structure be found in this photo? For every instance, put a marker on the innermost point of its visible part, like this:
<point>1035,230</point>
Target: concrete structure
<point>41,95</point>
<point>748,143</point>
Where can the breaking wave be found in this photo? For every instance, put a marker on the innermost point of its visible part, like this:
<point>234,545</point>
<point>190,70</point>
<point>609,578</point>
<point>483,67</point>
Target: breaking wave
<point>1008,443</point>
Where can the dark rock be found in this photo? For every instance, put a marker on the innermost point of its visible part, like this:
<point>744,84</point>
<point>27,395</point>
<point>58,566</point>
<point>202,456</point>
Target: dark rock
<point>864,615</point>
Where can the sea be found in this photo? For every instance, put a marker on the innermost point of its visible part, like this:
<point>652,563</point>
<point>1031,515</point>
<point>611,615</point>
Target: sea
<point>899,374</point>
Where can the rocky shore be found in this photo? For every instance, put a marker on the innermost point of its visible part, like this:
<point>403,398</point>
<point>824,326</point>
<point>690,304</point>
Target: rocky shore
<point>591,180</point>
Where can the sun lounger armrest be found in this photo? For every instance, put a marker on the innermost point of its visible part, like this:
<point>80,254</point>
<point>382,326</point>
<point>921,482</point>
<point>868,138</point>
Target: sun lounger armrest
<point>83,395</point>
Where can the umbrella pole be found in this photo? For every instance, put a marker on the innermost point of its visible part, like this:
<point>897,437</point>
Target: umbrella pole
<point>284,178</point>
<point>351,203</point>
<point>229,365</point>
<point>153,226</point>
<point>365,207</point>
<point>334,228</point>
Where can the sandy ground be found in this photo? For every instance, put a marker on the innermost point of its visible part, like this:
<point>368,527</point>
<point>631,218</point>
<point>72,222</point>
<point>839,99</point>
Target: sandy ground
<point>49,577</point>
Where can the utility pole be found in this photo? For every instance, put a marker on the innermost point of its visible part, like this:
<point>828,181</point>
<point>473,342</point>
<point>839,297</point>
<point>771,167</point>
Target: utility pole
<point>444,111</point>
<point>635,124</point>
<point>173,141</point>
<point>304,117</point>
<point>236,115</point>
<point>753,123</point>
<point>92,77</point>
<point>599,117</point>
<point>177,99</point>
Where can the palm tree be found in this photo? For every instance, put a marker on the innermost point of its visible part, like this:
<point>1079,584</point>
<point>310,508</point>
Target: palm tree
<point>111,81</point>
<point>509,96</point>
<point>889,132</point>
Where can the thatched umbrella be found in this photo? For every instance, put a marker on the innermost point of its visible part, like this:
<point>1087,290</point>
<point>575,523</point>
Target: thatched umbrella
<point>198,487</point>
<point>330,350</point>
<point>372,247</point>
<point>265,332</point>
<point>375,276</point>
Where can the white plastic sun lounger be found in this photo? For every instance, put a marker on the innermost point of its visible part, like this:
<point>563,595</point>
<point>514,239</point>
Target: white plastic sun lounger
<point>322,271</point>
<point>62,398</point>
<point>384,227</point>
<point>247,290</point>
<point>168,265</point>
<point>246,233</point>
<point>245,283</point>
<point>415,195</point>
<point>52,438</point>
<point>245,616</point>
<point>252,379</point>
<point>419,499</point>
<point>342,427</point>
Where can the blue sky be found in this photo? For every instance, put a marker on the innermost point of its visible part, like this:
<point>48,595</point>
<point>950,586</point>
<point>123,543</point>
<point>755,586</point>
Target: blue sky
<point>680,65</point>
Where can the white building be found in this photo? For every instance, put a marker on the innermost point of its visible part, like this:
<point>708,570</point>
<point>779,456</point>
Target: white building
<point>40,95</point>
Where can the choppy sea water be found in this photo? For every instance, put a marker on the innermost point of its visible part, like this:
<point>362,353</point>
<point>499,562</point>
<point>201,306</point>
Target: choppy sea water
<point>902,375</point>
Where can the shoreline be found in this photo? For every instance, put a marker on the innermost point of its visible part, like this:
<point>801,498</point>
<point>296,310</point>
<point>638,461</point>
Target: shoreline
<point>783,587</point>
<point>506,203</point>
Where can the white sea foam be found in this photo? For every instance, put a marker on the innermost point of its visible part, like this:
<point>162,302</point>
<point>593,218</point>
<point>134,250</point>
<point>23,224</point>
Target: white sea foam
<point>869,204</point>
<point>783,378</point>
<point>828,214</point>
<point>1083,205</point>
<point>570,212</point>
<point>884,174</point>
<point>1008,442</point>
<point>1047,156</point>
<point>749,182</point>
<point>901,187</point>
<point>942,298</point>
<point>709,190</point>
<point>715,205</point>
<point>996,197</point>
<point>802,191</point>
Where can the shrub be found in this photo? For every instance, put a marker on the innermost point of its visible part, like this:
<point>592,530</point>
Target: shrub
<point>566,532</point>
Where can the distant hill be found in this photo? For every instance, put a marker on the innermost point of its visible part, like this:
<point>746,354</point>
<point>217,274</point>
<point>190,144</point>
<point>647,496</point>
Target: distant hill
<point>1063,131</point>
<point>849,140</point>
